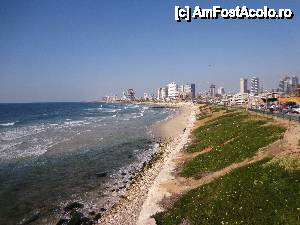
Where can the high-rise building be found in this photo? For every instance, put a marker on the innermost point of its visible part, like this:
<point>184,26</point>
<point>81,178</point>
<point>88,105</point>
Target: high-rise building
<point>243,85</point>
<point>286,84</point>
<point>159,94</point>
<point>212,90</point>
<point>254,85</point>
<point>164,93</point>
<point>221,91</point>
<point>181,88</point>
<point>173,90</point>
<point>190,90</point>
<point>294,83</point>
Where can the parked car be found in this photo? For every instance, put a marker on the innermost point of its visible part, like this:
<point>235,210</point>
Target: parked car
<point>296,110</point>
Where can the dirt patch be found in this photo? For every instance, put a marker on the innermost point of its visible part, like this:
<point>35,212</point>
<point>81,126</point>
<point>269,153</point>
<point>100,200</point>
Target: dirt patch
<point>184,156</point>
<point>185,222</point>
<point>168,202</point>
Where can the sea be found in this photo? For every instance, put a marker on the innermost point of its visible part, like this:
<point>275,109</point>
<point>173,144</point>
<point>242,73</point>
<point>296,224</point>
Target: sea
<point>52,154</point>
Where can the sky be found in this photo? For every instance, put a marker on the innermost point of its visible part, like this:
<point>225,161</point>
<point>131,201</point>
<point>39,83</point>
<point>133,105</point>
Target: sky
<point>63,50</point>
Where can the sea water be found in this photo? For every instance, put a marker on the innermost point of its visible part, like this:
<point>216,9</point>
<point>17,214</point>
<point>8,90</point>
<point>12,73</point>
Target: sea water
<point>55,153</point>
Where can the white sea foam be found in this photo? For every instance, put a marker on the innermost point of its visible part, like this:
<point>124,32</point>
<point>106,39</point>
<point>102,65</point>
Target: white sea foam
<point>74,122</point>
<point>35,147</point>
<point>103,110</point>
<point>131,106</point>
<point>7,124</point>
<point>21,132</point>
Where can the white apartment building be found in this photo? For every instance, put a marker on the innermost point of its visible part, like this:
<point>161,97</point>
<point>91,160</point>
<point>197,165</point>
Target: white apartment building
<point>254,85</point>
<point>221,90</point>
<point>181,88</point>
<point>173,90</point>
<point>240,99</point>
<point>162,93</point>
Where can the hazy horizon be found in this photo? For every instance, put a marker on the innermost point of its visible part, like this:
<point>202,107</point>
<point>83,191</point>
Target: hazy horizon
<point>83,50</point>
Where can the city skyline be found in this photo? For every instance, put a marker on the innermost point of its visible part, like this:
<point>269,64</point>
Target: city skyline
<point>78,51</point>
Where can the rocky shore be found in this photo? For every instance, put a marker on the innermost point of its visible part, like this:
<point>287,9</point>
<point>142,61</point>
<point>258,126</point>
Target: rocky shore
<point>140,200</point>
<point>134,194</point>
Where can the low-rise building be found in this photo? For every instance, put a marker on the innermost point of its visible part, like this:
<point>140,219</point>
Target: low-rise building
<point>240,99</point>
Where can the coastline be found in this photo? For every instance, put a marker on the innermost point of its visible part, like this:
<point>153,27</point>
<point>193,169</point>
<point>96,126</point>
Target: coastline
<point>137,205</point>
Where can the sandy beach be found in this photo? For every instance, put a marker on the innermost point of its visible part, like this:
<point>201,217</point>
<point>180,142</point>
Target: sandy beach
<point>142,198</point>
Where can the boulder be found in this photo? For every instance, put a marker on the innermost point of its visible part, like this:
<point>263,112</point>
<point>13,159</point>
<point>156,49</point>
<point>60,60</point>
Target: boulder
<point>102,174</point>
<point>62,222</point>
<point>97,216</point>
<point>31,218</point>
<point>73,205</point>
<point>75,219</point>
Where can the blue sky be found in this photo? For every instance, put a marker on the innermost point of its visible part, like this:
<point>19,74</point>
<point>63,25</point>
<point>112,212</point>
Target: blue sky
<point>81,50</point>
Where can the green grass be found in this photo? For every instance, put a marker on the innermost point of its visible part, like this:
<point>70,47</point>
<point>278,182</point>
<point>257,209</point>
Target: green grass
<point>259,194</point>
<point>233,138</point>
<point>218,108</point>
<point>215,132</point>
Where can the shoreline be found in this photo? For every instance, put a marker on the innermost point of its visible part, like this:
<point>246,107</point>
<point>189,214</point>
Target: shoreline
<point>133,207</point>
<point>157,192</point>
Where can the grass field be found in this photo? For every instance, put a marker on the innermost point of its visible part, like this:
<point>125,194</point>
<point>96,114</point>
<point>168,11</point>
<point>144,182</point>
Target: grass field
<point>263,193</point>
<point>233,137</point>
<point>257,194</point>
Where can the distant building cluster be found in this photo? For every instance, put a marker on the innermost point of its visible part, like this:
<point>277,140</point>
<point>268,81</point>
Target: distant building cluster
<point>114,98</point>
<point>128,95</point>
<point>288,85</point>
<point>253,96</point>
<point>251,93</point>
<point>173,91</point>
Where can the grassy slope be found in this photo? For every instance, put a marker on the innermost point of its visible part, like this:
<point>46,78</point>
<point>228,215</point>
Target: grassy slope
<point>233,137</point>
<point>257,194</point>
